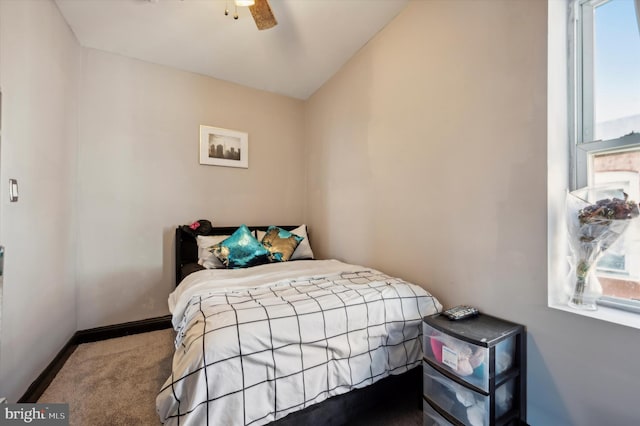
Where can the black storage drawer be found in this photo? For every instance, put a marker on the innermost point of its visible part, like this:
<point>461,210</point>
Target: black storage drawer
<point>474,371</point>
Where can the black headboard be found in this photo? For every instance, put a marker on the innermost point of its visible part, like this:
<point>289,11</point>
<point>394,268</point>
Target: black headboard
<point>187,247</point>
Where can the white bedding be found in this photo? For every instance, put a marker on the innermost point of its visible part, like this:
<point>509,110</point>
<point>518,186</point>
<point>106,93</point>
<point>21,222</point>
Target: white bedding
<point>280,337</point>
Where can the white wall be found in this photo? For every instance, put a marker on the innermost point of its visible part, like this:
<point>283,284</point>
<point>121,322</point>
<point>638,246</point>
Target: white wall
<point>427,158</point>
<point>39,72</point>
<point>139,176</point>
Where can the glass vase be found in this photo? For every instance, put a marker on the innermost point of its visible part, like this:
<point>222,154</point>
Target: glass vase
<point>596,218</point>
<point>586,287</point>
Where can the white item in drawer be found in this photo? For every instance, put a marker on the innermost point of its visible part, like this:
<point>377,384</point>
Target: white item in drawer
<point>505,351</point>
<point>466,360</point>
<point>467,406</point>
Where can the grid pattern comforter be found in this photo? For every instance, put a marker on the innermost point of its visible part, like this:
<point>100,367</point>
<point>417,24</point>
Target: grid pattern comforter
<point>249,354</point>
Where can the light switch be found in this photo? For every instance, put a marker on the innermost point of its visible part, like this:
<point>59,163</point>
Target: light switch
<point>13,190</point>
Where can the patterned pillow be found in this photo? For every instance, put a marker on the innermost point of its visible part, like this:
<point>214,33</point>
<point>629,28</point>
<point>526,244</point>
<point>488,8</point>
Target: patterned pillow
<point>206,257</point>
<point>280,243</point>
<point>241,250</point>
<point>304,248</point>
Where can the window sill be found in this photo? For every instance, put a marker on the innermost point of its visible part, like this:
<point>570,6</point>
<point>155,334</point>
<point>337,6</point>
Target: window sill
<point>604,313</point>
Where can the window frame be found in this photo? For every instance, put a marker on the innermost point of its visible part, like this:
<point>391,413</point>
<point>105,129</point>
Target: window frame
<point>584,150</point>
<point>581,88</point>
<point>581,112</point>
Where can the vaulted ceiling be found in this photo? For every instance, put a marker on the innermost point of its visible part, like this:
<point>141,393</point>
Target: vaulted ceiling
<point>313,38</point>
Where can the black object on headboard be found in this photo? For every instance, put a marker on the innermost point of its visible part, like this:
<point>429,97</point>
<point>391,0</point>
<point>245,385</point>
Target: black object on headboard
<point>187,247</point>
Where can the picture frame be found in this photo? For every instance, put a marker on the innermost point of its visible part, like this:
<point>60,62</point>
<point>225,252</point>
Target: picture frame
<point>224,147</point>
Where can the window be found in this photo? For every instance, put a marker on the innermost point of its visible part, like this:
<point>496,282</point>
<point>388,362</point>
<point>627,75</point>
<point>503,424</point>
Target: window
<point>605,126</point>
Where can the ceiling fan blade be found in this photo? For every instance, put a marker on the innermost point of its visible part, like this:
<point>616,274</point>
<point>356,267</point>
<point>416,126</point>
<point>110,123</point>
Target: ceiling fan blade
<point>263,15</point>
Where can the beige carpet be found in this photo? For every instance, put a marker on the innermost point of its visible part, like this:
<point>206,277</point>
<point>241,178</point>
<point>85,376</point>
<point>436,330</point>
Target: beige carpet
<point>115,382</point>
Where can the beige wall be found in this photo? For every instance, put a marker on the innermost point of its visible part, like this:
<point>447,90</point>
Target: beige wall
<point>421,144</point>
<point>39,72</point>
<point>427,158</point>
<point>139,176</point>
<point>105,149</point>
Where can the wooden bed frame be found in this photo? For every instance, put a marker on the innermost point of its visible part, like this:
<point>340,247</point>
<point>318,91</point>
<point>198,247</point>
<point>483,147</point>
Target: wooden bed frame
<point>337,410</point>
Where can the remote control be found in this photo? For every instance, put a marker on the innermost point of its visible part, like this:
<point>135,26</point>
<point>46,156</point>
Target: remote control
<point>460,312</point>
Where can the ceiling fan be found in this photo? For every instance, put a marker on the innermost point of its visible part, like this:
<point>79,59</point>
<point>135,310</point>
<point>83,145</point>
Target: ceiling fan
<point>260,10</point>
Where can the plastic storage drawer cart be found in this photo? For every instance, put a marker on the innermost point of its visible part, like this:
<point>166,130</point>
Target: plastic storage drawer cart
<point>474,371</point>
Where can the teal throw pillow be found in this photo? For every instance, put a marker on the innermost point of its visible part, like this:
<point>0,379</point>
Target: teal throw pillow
<point>241,250</point>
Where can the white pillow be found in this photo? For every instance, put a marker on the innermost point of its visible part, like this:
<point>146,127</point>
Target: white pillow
<point>205,257</point>
<point>303,251</point>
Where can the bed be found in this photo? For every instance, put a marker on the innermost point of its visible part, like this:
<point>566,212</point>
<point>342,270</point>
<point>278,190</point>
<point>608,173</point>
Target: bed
<point>296,342</point>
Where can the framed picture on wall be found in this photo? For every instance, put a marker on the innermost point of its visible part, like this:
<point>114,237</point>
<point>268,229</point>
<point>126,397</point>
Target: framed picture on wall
<point>223,147</point>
